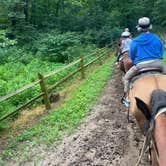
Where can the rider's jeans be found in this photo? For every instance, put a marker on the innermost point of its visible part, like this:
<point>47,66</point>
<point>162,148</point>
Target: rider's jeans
<point>133,71</point>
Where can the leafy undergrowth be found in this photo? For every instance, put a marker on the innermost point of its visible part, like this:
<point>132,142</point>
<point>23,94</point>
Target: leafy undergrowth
<point>19,71</point>
<point>63,119</point>
<point>17,75</point>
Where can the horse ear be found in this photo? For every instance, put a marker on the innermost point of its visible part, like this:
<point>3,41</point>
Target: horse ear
<point>143,107</point>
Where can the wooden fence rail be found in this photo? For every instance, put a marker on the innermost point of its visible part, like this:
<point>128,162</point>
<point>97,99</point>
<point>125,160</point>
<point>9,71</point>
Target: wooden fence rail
<point>8,96</point>
<point>45,91</point>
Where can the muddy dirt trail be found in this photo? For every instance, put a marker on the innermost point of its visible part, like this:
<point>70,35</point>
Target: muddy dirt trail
<point>104,138</point>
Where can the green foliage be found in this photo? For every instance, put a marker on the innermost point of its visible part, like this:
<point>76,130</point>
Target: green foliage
<point>103,36</point>
<point>16,75</point>
<point>159,12</point>
<point>56,47</point>
<point>20,68</point>
<point>15,54</point>
<point>5,41</point>
<point>65,118</point>
<point>98,17</point>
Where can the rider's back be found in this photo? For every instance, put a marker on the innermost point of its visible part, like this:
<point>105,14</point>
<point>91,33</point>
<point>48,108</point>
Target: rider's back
<point>146,46</point>
<point>126,44</point>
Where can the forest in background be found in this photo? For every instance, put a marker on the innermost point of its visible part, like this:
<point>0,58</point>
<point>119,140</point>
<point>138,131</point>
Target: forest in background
<point>99,21</point>
<point>43,35</point>
<point>54,27</point>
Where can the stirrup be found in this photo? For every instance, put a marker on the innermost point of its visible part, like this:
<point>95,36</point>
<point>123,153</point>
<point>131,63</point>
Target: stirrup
<point>125,102</point>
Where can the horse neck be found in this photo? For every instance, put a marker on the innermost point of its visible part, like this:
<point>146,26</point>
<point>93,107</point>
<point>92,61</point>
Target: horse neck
<point>160,138</point>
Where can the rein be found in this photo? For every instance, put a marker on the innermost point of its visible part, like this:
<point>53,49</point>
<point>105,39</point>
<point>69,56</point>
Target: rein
<point>157,109</point>
<point>148,141</point>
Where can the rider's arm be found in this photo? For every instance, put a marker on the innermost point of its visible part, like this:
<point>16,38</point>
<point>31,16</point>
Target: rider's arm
<point>132,51</point>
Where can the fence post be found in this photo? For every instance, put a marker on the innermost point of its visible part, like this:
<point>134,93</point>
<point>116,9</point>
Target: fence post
<point>44,89</point>
<point>82,67</point>
<point>98,54</point>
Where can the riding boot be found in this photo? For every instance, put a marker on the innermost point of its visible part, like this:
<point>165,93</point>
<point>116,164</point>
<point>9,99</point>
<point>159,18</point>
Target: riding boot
<point>125,100</point>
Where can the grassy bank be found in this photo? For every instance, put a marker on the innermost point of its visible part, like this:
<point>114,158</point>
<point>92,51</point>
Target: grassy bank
<point>15,74</point>
<point>62,120</point>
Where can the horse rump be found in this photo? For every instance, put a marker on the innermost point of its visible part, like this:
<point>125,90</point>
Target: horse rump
<point>157,106</point>
<point>158,102</point>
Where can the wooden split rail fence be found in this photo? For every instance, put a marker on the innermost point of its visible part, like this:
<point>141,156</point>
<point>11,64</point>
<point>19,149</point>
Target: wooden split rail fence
<point>46,91</point>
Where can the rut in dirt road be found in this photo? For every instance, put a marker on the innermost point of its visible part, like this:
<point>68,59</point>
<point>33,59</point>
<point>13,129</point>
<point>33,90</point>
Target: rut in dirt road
<point>104,138</point>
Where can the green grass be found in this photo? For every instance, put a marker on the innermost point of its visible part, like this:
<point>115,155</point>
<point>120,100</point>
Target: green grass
<point>15,75</point>
<point>64,119</point>
<point>165,59</point>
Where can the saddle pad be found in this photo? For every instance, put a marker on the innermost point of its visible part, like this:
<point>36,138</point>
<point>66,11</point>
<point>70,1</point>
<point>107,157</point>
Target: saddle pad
<point>140,75</point>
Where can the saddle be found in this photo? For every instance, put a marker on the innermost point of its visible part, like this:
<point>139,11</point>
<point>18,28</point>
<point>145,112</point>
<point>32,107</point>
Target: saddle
<point>149,69</point>
<point>145,72</point>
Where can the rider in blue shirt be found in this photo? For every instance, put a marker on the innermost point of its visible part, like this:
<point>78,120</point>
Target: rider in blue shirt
<point>145,47</point>
<point>146,51</point>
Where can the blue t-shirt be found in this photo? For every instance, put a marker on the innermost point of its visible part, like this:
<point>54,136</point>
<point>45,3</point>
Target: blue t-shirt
<point>146,46</point>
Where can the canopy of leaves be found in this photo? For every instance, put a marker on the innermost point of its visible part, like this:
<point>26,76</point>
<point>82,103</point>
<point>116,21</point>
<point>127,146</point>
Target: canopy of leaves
<point>100,20</point>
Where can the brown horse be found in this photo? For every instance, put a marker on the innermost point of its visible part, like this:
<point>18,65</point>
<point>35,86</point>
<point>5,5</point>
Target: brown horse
<point>124,63</point>
<point>140,95</point>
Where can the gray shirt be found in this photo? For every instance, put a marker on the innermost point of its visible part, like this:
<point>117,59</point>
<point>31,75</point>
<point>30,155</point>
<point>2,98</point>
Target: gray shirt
<point>126,44</point>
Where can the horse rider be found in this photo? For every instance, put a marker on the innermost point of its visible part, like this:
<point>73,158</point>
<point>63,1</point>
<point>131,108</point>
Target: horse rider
<point>124,46</point>
<point>122,38</point>
<point>146,51</point>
